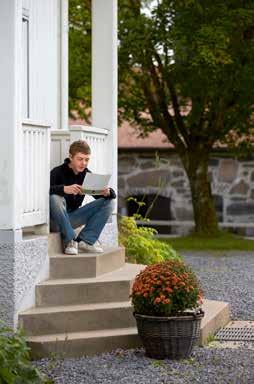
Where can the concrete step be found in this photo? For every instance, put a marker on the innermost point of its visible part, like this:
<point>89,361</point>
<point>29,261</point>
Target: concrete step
<point>55,244</point>
<point>217,315</point>
<point>110,287</point>
<point>86,265</point>
<point>83,343</point>
<point>77,318</point>
<point>97,341</point>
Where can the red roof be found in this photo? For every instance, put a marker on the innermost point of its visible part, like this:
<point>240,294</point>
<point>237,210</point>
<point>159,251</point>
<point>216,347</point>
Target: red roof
<point>128,137</point>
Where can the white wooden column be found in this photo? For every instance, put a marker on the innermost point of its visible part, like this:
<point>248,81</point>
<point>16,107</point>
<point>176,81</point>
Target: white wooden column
<point>64,76</point>
<point>10,117</point>
<point>104,77</point>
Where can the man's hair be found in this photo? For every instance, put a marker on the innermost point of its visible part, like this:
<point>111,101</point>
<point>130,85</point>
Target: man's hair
<point>79,146</point>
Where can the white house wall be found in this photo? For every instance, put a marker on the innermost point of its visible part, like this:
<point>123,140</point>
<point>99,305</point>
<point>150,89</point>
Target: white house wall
<point>43,59</point>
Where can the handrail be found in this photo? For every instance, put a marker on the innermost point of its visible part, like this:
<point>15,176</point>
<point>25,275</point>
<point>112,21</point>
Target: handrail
<point>89,129</point>
<point>36,123</point>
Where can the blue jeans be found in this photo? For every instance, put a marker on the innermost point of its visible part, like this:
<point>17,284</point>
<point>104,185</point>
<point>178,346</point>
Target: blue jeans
<point>94,215</point>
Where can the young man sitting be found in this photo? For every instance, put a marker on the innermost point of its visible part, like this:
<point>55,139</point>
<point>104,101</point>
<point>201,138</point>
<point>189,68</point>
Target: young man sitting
<point>66,212</point>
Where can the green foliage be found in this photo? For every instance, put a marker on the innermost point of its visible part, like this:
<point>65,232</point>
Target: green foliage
<point>209,71</point>
<point>140,243</point>
<point>222,242</point>
<point>80,59</point>
<point>15,367</point>
<point>166,289</point>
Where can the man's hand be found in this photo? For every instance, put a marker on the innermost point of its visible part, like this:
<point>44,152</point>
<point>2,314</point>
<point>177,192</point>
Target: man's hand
<point>106,191</point>
<point>73,189</point>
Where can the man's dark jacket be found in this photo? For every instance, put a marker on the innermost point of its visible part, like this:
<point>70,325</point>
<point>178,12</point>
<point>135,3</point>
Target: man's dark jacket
<point>63,175</point>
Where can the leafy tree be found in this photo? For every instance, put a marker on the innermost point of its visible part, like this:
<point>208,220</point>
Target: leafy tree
<point>186,67</point>
<point>189,65</point>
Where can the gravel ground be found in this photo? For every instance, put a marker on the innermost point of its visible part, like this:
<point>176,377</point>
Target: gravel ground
<point>209,365</point>
<point>224,276</point>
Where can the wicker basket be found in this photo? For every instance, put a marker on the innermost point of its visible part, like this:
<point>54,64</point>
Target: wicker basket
<point>169,337</point>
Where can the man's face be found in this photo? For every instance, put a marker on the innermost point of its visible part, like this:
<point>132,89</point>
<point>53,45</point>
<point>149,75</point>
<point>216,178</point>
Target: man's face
<point>79,162</point>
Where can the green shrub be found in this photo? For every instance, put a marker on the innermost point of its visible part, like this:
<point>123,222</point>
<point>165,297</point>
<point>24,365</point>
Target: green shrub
<point>141,245</point>
<point>15,366</point>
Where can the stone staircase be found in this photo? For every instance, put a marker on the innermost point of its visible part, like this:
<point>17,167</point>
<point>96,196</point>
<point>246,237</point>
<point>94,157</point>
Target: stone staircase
<point>84,307</point>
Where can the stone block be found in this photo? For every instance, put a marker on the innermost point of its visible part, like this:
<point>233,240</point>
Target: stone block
<point>178,184</point>
<point>240,208</point>
<point>237,199</point>
<point>241,188</point>
<point>126,164</point>
<point>121,182</point>
<point>181,191</point>
<point>178,173</point>
<point>149,179</point>
<point>148,164</point>
<point>227,170</point>
<point>183,214</point>
<point>210,176</point>
<point>121,201</point>
<point>248,164</point>
<point>213,162</point>
<point>175,161</point>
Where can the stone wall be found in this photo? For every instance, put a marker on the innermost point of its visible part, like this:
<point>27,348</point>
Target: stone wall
<point>232,184</point>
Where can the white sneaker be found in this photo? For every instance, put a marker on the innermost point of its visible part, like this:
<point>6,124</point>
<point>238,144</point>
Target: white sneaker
<point>85,247</point>
<point>71,248</point>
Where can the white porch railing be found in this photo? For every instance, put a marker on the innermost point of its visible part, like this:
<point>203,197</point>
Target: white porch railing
<point>35,144</point>
<point>97,140</point>
<point>95,137</point>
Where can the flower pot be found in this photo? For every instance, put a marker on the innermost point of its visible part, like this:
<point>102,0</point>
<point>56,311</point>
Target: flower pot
<point>169,337</point>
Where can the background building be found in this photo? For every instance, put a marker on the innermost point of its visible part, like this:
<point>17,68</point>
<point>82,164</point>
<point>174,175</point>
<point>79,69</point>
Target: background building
<point>150,167</point>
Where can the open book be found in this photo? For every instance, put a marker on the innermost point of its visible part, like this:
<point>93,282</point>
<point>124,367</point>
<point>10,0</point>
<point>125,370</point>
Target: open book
<point>94,183</point>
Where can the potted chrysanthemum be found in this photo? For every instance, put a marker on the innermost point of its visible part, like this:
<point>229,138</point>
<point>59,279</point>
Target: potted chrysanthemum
<point>166,298</point>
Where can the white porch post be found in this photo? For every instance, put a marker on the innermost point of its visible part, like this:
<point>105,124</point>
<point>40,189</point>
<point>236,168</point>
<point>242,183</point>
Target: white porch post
<point>104,101</point>
<point>104,76</point>
<point>10,120</point>
<point>63,45</point>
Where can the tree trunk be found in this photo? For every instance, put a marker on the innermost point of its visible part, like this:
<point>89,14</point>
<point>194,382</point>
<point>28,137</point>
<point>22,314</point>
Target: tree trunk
<point>196,166</point>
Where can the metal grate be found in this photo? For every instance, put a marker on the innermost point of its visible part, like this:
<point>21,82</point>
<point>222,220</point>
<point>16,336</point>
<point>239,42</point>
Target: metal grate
<point>235,334</point>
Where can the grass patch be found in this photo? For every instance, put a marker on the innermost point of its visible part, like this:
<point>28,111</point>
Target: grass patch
<point>222,242</point>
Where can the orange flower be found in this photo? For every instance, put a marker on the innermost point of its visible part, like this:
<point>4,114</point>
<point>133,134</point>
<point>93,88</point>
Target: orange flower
<point>157,300</point>
<point>161,283</point>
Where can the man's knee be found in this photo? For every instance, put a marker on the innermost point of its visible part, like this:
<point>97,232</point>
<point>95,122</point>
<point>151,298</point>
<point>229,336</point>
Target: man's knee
<point>110,204</point>
<point>57,202</point>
